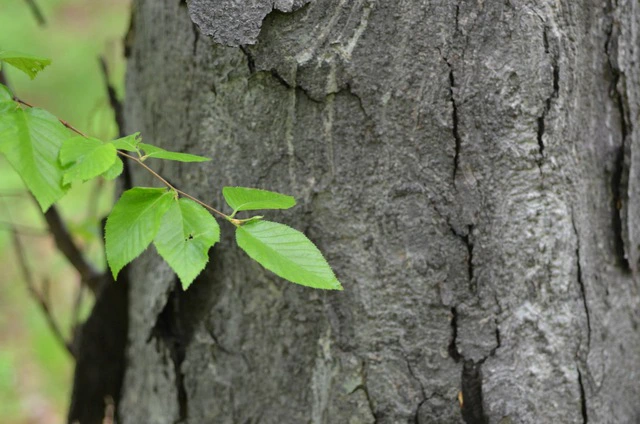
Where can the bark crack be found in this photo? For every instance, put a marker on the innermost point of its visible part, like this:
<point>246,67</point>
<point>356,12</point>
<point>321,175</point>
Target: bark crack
<point>581,281</point>
<point>363,386</point>
<point>472,408</point>
<point>620,174</point>
<point>466,239</point>
<point>169,331</point>
<point>583,399</point>
<point>453,348</point>
<point>548,102</point>
<point>454,119</point>
<point>422,389</point>
<point>251,63</point>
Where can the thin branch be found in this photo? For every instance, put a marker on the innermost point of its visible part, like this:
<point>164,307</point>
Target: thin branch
<point>3,78</point>
<point>64,242</point>
<point>62,121</point>
<point>37,12</point>
<point>139,162</point>
<point>39,298</point>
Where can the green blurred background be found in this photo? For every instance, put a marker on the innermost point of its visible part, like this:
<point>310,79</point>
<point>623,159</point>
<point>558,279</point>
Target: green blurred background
<point>35,370</point>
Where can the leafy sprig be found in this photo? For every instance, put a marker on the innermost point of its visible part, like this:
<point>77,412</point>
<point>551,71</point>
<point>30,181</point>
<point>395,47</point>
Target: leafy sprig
<point>181,227</point>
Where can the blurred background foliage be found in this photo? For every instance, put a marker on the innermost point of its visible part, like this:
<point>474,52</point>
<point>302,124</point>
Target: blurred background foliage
<point>35,369</point>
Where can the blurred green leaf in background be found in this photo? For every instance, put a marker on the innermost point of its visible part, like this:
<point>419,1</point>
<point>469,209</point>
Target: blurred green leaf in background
<point>35,370</point>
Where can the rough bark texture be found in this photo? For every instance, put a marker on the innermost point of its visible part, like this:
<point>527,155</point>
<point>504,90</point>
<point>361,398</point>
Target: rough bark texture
<point>471,170</point>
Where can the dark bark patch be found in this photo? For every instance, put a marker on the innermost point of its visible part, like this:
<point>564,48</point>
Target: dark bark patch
<point>100,354</point>
<point>169,331</point>
<point>472,409</point>
<point>453,349</point>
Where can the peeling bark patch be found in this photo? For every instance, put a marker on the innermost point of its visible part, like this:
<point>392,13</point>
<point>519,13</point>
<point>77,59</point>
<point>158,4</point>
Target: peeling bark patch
<point>234,23</point>
<point>472,409</point>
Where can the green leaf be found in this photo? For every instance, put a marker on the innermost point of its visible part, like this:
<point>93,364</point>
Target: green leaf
<point>90,157</point>
<point>251,199</point>
<point>159,153</point>
<point>31,139</point>
<point>187,232</point>
<point>287,253</point>
<point>5,94</point>
<point>115,170</point>
<point>134,223</point>
<point>128,143</point>
<point>28,64</point>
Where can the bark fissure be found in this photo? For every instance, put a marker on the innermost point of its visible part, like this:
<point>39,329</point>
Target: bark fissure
<point>363,386</point>
<point>169,332</point>
<point>453,349</point>
<point>466,239</point>
<point>581,281</point>
<point>251,64</point>
<point>619,177</point>
<point>472,408</point>
<point>583,399</point>
<point>454,119</point>
<point>422,389</point>
<point>548,101</point>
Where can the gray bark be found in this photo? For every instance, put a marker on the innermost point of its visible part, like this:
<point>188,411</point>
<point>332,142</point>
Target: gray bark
<point>471,171</point>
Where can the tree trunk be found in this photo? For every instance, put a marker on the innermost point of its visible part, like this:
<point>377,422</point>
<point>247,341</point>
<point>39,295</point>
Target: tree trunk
<point>470,170</point>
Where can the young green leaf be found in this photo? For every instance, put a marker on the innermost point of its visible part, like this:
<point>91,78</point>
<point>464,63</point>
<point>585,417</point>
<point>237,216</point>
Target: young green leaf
<point>129,143</point>
<point>187,232</point>
<point>28,64</point>
<point>134,223</point>
<point>30,139</point>
<point>90,157</point>
<point>251,199</point>
<point>5,94</point>
<point>159,153</point>
<point>287,253</point>
<point>115,170</point>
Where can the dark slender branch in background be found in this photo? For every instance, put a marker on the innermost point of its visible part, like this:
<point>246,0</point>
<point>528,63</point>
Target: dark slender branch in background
<point>89,275</point>
<point>75,316</point>
<point>94,197</point>
<point>116,105</point>
<point>14,193</point>
<point>23,229</point>
<point>40,298</point>
<point>118,114</point>
<point>3,78</point>
<point>37,13</point>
